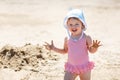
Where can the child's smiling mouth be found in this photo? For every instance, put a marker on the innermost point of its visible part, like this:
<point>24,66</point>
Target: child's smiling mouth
<point>74,30</point>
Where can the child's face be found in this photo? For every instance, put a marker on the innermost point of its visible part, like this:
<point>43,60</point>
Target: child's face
<point>75,26</point>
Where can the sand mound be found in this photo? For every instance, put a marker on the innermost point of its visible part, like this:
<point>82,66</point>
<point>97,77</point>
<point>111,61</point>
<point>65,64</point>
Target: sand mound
<point>32,56</point>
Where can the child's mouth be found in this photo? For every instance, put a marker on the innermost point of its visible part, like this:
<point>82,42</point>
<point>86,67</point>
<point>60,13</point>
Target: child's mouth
<point>74,30</point>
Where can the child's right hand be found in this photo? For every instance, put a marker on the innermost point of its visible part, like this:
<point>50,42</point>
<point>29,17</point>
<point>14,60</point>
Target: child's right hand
<point>49,46</point>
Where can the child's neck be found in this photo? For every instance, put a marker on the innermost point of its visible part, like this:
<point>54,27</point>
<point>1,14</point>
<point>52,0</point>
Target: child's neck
<point>77,37</point>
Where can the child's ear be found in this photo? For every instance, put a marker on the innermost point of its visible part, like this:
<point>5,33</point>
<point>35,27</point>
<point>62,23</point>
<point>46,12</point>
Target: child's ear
<point>83,26</point>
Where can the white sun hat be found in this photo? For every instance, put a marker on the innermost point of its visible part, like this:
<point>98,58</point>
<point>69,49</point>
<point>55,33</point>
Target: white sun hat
<point>77,13</point>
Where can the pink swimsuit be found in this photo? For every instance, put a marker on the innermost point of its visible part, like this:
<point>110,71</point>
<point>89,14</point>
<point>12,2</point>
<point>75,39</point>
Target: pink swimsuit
<point>78,59</point>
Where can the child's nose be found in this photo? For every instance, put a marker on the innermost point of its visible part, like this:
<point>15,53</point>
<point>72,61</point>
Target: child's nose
<point>74,26</point>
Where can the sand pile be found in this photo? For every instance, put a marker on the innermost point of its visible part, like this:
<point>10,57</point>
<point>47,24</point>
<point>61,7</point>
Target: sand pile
<point>32,56</point>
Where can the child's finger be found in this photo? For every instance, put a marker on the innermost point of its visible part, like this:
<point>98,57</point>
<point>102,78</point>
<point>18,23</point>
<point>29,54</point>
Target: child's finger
<point>51,42</point>
<point>96,41</point>
<point>93,41</point>
<point>46,43</point>
<point>45,46</point>
<point>100,45</point>
<point>99,42</point>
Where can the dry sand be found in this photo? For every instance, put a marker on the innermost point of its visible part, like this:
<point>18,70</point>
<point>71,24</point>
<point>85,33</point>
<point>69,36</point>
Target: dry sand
<point>26,24</point>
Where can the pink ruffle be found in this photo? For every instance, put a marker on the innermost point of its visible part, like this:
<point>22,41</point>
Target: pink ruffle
<point>78,69</point>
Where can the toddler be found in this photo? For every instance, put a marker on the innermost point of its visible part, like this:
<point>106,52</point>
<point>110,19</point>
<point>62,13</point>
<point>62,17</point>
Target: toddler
<point>77,45</point>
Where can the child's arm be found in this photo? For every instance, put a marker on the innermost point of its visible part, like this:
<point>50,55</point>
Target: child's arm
<point>52,47</point>
<point>92,46</point>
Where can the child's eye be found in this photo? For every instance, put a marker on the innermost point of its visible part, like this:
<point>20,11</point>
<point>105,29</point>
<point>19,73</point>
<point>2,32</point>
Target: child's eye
<point>70,24</point>
<point>77,24</point>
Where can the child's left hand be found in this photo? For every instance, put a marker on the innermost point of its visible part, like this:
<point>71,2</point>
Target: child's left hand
<point>96,44</point>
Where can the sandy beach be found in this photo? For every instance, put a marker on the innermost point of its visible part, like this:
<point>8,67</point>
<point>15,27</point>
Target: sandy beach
<point>26,24</point>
